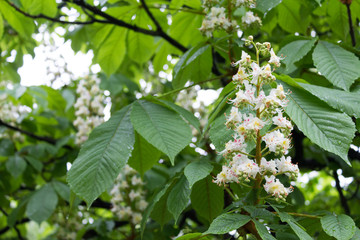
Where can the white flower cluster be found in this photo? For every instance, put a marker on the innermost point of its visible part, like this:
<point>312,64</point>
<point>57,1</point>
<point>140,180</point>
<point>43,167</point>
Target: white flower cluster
<point>265,111</point>
<point>217,18</point>
<point>128,196</point>
<point>12,114</point>
<point>89,108</point>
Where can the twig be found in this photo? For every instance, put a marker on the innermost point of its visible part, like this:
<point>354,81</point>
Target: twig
<point>42,16</point>
<point>159,32</point>
<point>343,201</point>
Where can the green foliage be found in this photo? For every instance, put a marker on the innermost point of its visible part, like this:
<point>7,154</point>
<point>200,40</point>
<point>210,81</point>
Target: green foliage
<point>340,227</point>
<point>196,171</point>
<point>227,222</point>
<point>155,123</point>
<point>339,66</point>
<point>102,156</point>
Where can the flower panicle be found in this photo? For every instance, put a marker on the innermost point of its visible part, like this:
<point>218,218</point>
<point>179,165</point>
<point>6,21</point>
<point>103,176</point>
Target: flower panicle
<point>257,115</point>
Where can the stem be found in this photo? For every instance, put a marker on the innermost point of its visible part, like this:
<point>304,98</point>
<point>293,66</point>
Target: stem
<point>351,29</point>
<point>231,194</point>
<point>299,215</point>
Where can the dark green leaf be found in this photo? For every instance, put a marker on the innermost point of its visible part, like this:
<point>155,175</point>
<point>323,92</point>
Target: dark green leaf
<point>263,232</point>
<point>179,197</point>
<point>296,50</point>
<point>341,227</point>
<point>16,165</point>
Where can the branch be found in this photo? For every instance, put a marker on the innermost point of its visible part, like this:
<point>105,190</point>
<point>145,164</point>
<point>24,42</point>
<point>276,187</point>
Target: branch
<point>110,19</point>
<point>30,134</point>
<point>343,201</point>
<point>351,29</point>
<point>42,16</point>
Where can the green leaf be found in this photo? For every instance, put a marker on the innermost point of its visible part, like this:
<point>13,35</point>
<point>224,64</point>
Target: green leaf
<point>299,231</point>
<point>266,5</point>
<point>207,198</point>
<point>141,46</point>
<point>227,222</point>
<point>296,50</point>
<point>198,170</point>
<point>102,156</point>
<point>338,19</point>
<point>346,102</point>
<point>194,65</point>
<point>35,163</point>
<point>62,189</point>
<point>7,147</point>
<point>179,197</point>
<point>341,227</point>
<point>42,204</point>
<point>144,155</point>
<point>157,196</point>
<point>192,236</point>
<point>112,51</point>
<point>161,127</point>
<point>160,213</point>
<point>339,66</point>
<point>1,26</point>
<point>291,18</point>
<point>188,116</point>
<point>326,127</point>
<point>69,97</point>
<point>16,165</point>
<point>220,134</point>
<point>19,211</point>
<point>263,232</point>
<point>36,7</point>
<point>23,25</point>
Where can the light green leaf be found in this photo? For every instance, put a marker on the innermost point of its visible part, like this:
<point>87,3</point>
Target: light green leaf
<point>23,25</point>
<point>179,197</point>
<point>266,5</point>
<point>192,236</point>
<point>1,26</point>
<point>227,222</point>
<point>291,18</point>
<point>42,204</point>
<point>198,170</point>
<point>69,97</point>
<point>16,165</point>
<point>188,116</point>
<point>339,66</point>
<point>342,227</point>
<point>326,127</point>
<point>144,155</point>
<point>194,65</point>
<point>102,156</point>
<point>36,7</point>
<point>161,127</point>
<point>346,102</point>
<point>112,51</point>
<point>296,50</point>
<point>207,198</point>
<point>338,19</point>
<point>263,232</point>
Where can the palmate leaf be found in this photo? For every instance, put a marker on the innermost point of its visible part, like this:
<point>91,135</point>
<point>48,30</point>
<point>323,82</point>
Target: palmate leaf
<point>326,127</point>
<point>339,66</point>
<point>342,227</point>
<point>161,127</point>
<point>102,156</point>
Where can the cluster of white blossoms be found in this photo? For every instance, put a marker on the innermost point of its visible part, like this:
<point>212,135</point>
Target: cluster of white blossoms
<point>12,114</point>
<point>219,18</point>
<point>89,108</point>
<point>128,196</point>
<point>262,121</point>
